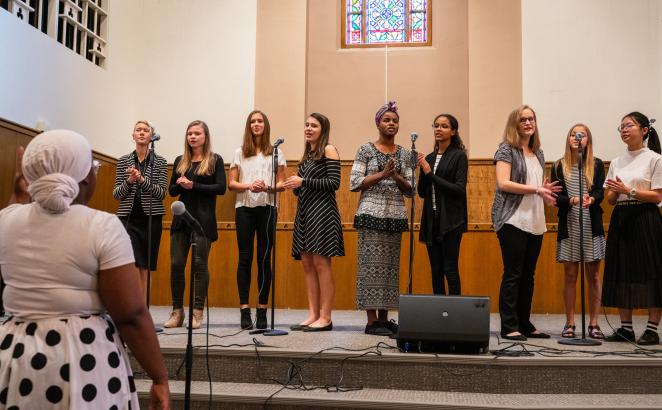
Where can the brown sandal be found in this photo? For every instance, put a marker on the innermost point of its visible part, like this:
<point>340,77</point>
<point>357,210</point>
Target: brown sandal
<point>568,331</point>
<point>594,332</point>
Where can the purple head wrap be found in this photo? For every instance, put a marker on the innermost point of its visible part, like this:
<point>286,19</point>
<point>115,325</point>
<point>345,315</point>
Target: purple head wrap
<point>389,106</point>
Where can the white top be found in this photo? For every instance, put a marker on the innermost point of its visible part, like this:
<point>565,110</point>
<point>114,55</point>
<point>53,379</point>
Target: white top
<point>50,262</point>
<point>258,166</point>
<point>640,169</point>
<point>434,170</point>
<point>530,215</point>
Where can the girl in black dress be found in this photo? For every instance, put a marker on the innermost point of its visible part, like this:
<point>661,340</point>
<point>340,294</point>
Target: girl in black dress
<point>317,229</point>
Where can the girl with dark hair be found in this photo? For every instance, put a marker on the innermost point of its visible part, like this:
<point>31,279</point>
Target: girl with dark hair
<point>518,216</point>
<point>566,171</point>
<point>251,174</point>
<point>442,184</point>
<point>633,262</point>
<point>317,228</point>
<point>381,171</point>
<point>198,177</point>
<point>140,186</point>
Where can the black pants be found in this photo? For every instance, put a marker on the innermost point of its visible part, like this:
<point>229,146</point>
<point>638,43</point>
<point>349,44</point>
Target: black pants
<point>251,221</point>
<point>519,251</point>
<point>444,256</point>
<point>180,242</point>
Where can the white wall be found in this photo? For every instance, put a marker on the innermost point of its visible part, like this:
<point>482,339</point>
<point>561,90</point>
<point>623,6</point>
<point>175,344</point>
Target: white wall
<point>196,61</point>
<point>169,61</point>
<point>591,61</point>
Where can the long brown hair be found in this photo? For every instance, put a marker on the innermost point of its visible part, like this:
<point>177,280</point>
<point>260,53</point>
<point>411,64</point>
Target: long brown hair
<point>510,133</point>
<point>248,148</point>
<point>456,140</point>
<point>208,163</point>
<point>589,160</point>
<point>323,141</point>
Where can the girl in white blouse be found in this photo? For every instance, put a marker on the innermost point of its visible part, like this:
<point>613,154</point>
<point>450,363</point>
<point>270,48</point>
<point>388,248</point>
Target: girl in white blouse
<point>251,174</point>
<point>633,262</point>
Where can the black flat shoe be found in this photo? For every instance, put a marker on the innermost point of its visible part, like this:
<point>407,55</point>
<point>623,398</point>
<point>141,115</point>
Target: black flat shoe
<point>318,329</point>
<point>621,335</point>
<point>539,335</point>
<point>296,328</point>
<point>377,329</point>
<point>519,338</point>
<point>649,338</point>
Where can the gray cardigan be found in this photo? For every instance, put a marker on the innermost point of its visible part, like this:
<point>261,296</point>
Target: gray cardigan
<point>505,204</point>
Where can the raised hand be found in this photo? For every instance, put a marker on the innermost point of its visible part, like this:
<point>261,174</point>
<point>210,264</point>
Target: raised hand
<point>423,163</point>
<point>618,186</point>
<point>389,169</point>
<point>20,194</point>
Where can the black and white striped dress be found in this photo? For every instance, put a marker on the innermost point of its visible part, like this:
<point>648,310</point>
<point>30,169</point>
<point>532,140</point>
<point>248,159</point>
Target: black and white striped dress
<point>567,249</point>
<point>317,227</point>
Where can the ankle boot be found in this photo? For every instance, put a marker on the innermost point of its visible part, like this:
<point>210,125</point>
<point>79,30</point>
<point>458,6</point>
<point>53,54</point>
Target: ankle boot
<point>196,320</point>
<point>261,314</point>
<point>246,321</point>
<point>176,319</point>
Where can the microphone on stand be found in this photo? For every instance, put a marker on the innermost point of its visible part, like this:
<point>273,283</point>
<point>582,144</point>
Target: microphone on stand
<point>178,208</point>
<point>414,157</point>
<point>155,137</point>
<point>279,141</point>
<point>578,137</point>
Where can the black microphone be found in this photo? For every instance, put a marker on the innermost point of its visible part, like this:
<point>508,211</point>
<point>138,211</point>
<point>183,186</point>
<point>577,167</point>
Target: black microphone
<point>279,141</point>
<point>155,137</point>
<point>178,208</point>
<point>414,136</point>
<point>578,137</point>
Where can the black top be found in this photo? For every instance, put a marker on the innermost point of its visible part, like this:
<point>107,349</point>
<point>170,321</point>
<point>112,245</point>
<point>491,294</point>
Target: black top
<point>200,200</point>
<point>450,188</point>
<point>597,191</point>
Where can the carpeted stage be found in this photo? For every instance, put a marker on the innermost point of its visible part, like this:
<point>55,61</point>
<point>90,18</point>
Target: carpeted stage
<point>346,368</point>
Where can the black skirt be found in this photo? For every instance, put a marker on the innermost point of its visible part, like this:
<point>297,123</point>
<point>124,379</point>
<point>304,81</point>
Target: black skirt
<point>136,225</point>
<point>633,261</point>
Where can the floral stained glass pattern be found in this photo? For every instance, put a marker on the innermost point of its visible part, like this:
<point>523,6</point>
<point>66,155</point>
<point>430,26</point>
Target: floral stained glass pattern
<point>379,22</point>
<point>385,21</point>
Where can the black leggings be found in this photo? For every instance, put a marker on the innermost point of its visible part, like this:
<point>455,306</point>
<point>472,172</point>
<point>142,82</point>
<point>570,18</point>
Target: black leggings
<point>444,257</point>
<point>180,242</point>
<point>250,221</point>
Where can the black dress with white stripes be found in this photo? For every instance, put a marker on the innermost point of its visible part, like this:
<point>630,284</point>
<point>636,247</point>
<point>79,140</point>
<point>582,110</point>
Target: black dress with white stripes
<point>317,227</point>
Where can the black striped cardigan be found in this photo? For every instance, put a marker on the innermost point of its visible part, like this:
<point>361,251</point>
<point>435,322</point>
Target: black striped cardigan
<point>125,192</point>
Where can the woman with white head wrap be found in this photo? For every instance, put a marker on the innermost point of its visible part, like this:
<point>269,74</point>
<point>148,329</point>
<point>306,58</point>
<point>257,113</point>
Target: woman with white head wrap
<point>71,287</point>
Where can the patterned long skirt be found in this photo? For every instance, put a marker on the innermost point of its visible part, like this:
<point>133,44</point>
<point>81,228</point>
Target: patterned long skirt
<point>70,362</point>
<point>378,273</point>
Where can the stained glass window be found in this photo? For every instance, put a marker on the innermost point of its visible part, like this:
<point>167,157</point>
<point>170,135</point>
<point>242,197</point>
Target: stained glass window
<point>373,23</point>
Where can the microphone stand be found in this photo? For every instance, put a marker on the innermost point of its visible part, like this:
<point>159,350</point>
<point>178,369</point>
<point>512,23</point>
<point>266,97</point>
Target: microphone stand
<point>274,174</point>
<point>580,167</point>
<point>189,337</point>
<point>412,209</point>
<point>151,164</point>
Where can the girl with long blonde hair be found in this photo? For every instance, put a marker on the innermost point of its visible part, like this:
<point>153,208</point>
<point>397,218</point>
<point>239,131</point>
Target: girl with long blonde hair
<point>568,202</point>
<point>198,177</point>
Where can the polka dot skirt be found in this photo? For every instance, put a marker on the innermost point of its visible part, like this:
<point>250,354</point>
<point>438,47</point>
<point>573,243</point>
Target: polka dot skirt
<point>75,362</point>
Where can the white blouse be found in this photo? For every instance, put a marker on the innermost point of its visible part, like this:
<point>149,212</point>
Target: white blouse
<point>530,215</point>
<point>640,169</point>
<point>258,166</point>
